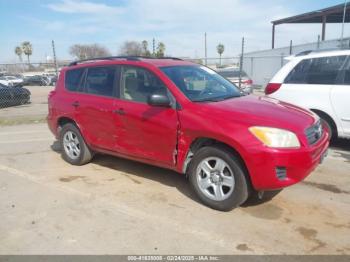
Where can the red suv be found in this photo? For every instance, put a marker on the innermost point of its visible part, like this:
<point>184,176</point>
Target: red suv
<point>185,117</point>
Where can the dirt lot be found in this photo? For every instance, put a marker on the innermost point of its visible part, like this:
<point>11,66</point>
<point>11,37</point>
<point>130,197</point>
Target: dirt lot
<point>116,206</point>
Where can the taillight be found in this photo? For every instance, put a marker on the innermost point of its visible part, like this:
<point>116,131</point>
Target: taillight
<point>248,82</point>
<point>271,88</point>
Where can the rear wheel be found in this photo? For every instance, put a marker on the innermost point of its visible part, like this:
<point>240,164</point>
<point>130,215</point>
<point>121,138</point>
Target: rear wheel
<point>74,149</point>
<point>332,132</point>
<point>218,178</point>
<point>328,122</point>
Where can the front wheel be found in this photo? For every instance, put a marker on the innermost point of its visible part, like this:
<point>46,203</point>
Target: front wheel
<point>218,178</point>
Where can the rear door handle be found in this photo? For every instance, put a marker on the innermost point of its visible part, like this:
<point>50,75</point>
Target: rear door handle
<point>119,111</point>
<point>75,104</point>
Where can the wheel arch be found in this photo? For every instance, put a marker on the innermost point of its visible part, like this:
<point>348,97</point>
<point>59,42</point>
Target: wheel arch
<point>328,118</point>
<point>200,142</point>
<point>63,120</point>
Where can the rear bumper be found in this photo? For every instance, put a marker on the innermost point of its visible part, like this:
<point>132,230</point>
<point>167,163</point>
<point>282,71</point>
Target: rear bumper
<point>298,163</point>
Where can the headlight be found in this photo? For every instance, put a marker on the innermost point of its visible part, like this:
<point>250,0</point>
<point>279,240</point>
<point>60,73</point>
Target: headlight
<point>275,137</point>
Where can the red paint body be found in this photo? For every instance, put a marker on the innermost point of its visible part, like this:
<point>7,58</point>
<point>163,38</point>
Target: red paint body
<point>151,134</point>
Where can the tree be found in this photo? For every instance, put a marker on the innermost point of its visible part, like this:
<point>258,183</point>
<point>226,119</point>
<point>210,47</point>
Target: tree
<point>18,52</point>
<point>88,51</point>
<point>27,49</point>
<point>220,48</point>
<point>145,51</point>
<point>131,48</point>
<point>160,50</point>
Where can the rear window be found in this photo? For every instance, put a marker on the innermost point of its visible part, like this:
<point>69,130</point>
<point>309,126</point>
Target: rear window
<point>323,70</point>
<point>73,79</point>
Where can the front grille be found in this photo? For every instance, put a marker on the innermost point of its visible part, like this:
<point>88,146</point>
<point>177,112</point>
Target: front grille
<point>314,132</point>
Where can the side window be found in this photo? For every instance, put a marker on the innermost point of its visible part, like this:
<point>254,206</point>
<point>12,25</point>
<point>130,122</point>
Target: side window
<point>100,81</point>
<point>299,73</point>
<point>73,79</point>
<point>138,83</point>
<point>323,70</point>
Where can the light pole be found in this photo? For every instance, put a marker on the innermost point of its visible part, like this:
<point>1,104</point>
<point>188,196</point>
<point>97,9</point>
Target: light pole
<point>205,48</point>
<point>342,27</point>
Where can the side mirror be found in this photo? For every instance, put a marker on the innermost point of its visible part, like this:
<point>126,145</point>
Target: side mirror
<point>159,100</point>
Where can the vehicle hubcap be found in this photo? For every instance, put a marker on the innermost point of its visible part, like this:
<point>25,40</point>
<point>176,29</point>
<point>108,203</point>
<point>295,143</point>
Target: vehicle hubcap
<point>71,145</point>
<point>215,178</point>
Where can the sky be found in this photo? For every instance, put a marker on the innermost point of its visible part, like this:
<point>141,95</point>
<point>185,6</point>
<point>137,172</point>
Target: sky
<point>180,24</point>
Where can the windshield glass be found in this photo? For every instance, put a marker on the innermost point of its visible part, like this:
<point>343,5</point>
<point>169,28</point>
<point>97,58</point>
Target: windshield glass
<point>199,83</point>
<point>233,73</point>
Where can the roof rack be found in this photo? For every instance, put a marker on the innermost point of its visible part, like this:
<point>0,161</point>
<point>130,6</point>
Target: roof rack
<point>130,58</point>
<point>307,52</point>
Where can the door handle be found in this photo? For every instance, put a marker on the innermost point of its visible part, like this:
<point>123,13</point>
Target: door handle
<point>119,111</point>
<point>75,104</point>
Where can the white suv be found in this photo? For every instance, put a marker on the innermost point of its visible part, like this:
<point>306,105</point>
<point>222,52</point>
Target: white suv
<point>319,81</point>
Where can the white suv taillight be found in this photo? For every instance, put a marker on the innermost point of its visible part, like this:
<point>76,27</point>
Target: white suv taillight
<point>271,88</point>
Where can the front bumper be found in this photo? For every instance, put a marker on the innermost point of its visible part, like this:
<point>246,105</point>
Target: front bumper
<point>298,163</point>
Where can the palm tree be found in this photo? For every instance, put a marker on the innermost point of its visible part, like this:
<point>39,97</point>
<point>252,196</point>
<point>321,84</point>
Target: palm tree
<point>160,50</point>
<point>220,48</point>
<point>18,52</point>
<point>145,51</point>
<point>27,49</point>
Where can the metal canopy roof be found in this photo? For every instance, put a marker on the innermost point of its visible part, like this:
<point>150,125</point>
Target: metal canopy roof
<point>334,14</point>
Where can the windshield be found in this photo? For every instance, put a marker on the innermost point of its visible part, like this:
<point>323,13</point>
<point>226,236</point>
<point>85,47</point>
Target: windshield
<point>232,73</point>
<point>199,83</point>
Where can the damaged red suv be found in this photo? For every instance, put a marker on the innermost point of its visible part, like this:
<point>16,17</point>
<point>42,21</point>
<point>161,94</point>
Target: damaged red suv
<point>185,117</point>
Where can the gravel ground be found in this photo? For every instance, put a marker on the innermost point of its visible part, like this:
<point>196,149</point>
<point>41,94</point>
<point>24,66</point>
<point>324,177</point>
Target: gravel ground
<point>116,206</point>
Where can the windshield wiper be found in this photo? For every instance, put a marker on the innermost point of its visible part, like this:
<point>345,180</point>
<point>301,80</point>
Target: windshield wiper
<point>206,100</point>
<point>216,99</point>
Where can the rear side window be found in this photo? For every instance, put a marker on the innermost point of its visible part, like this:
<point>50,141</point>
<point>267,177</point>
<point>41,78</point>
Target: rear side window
<point>100,81</point>
<point>73,79</point>
<point>323,70</point>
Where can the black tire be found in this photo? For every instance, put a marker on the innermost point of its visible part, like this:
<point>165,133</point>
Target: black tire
<point>331,129</point>
<point>255,199</point>
<point>85,154</point>
<point>241,188</point>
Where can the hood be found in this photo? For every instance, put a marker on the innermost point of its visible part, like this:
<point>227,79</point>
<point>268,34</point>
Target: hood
<point>264,111</point>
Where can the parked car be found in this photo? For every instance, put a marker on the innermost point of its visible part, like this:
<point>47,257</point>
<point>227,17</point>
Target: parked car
<point>52,79</point>
<point>10,96</point>
<point>36,81</point>
<point>232,74</point>
<point>10,80</point>
<point>319,81</point>
<point>183,116</point>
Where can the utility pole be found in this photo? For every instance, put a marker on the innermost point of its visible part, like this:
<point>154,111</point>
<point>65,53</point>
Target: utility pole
<point>241,65</point>
<point>291,47</point>
<point>54,57</point>
<point>205,48</point>
<point>342,27</point>
<point>154,47</point>
<point>318,41</point>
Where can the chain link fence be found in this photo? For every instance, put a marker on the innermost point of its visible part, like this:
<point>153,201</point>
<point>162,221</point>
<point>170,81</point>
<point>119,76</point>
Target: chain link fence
<point>259,66</point>
<point>16,77</point>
